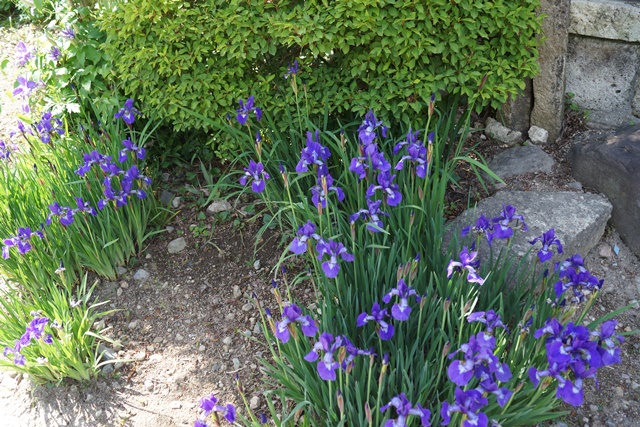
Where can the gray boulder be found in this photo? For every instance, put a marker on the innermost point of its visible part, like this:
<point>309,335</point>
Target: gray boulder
<point>578,219</point>
<point>610,163</point>
<point>520,160</point>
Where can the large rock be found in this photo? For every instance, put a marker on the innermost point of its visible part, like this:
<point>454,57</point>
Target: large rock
<point>602,76</point>
<point>578,219</point>
<point>516,112</point>
<point>548,85</point>
<point>610,163</point>
<point>606,19</point>
<point>520,160</point>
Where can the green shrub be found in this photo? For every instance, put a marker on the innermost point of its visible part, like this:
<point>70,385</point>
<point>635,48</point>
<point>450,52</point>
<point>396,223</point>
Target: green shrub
<point>386,55</point>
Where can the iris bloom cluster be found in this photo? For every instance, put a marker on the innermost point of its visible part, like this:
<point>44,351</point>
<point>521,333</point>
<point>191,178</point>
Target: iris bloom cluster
<point>34,331</point>
<point>500,227</point>
<point>574,277</point>
<point>67,214</point>
<point>209,406</point>
<point>127,113</point>
<point>5,151</point>
<point>324,352</point>
<point>21,241</point>
<point>417,153</point>
<point>246,108</point>
<point>575,354</point>
<point>23,54</point>
<point>323,247</point>
<point>480,363</point>
<point>47,125</point>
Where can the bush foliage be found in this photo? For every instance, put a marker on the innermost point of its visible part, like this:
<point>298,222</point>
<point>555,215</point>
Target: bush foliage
<point>359,54</point>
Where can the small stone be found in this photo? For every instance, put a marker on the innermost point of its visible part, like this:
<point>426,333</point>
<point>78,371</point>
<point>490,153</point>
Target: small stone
<point>175,202</point>
<point>256,264</point>
<point>247,307</point>
<point>247,333</point>
<point>610,423</point>
<point>141,275</point>
<point>133,324</point>
<point>593,408</point>
<point>227,341</point>
<point>157,340</point>
<point>169,229</point>
<point>165,176</point>
<point>575,185</point>
<point>177,245</point>
<point>561,424</point>
<point>236,363</point>
<point>148,256</point>
<point>257,329</point>
<point>150,348</point>
<point>106,370</point>
<point>215,367</point>
<point>237,293</point>
<point>141,355</point>
<point>148,385</point>
<point>619,391</point>
<point>229,316</point>
<point>202,348</point>
<point>175,405</point>
<point>219,206</point>
<point>179,337</point>
<point>605,251</point>
<point>635,385</point>
<point>120,270</point>
<point>124,285</point>
<point>119,292</point>
<point>166,197</point>
<point>497,131</point>
<point>254,403</point>
<point>538,135</point>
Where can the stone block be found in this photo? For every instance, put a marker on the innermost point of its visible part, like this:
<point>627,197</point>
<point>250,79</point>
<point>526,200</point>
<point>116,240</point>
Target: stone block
<point>520,160</point>
<point>578,219</point>
<point>500,133</point>
<point>548,85</point>
<point>606,19</point>
<point>601,74</point>
<point>610,163</point>
<point>516,112</point>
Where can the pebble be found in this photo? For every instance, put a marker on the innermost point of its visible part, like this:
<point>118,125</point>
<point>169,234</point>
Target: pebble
<point>179,337</point>
<point>215,367</point>
<point>247,307</point>
<point>148,385</point>
<point>120,270</point>
<point>141,275</point>
<point>175,405</point>
<point>236,363</point>
<point>594,408</point>
<point>257,329</point>
<point>605,251</point>
<point>256,264</point>
<point>254,403</point>
<point>237,293</point>
<point>124,285</point>
<point>157,340</point>
<point>229,316</point>
<point>106,370</point>
<point>169,228</point>
<point>619,391</point>
<point>227,341</point>
<point>635,385</point>
<point>148,256</point>
<point>175,202</point>
<point>133,324</point>
<point>176,245</point>
<point>202,348</point>
<point>119,292</point>
<point>150,348</point>
<point>219,206</point>
<point>139,355</point>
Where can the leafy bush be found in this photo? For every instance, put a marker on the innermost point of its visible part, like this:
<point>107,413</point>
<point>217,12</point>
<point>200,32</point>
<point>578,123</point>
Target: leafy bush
<point>405,331</point>
<point>390,56</point>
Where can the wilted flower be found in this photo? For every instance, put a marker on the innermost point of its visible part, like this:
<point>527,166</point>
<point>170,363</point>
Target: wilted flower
<point>489,318</point>
<point>319,198</point>
<point>373,213</point>
<point>54,54</point>
<point>483,227</point>
<point>293,69</point>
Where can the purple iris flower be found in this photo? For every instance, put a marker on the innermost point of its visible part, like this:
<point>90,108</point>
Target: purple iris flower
<point>391,191</point>
<point>334,250</point>
<point>293,70</point>
<point>313,154</point>
<point>258,176</point>
<point>479,361</point>
<point>367,130</point>
<point>245,109</point>
<point>22,241</point>
<point>209,405</point>
<point>47,126</point>
<point>25,87</point>
<point>54,54</point>
<point>68,33</point>
<point>468,261</point>
<point>33,331</point>
<point>385,330</point>
<point>547,239</point>
<point>575,263</point>
<point>85,207</point>
<point>609,353</point>
<point>127,113</point>
<point>401,310</point>
<point>327,365</point>
<point>5,151</point>
<point>318,194</point>
<point>90,159</point>
<point>373,214</point>
<point>488,385</point>
<point>130,146</point>
<point>351,352</point>
<point>412,138</point>
<point>581,282</point>
<point>293,314</point>
<point>468,403</point>
<point>483,227</point>
<point>24,54</point>
<point>503,229</point>
<point>133,174</point>
<point>404,408</point>
<point>489,318</point>
<point>417,155</point>
<point>300,242</point>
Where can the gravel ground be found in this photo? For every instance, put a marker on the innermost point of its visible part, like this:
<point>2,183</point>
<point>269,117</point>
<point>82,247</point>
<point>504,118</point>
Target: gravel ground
<point>189,326</point>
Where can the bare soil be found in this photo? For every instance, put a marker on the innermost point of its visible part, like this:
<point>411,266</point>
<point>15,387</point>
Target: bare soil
<point>191,326</point>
